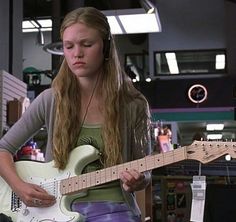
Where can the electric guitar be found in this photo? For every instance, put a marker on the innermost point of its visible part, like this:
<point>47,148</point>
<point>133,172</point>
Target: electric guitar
<point>65,184</point>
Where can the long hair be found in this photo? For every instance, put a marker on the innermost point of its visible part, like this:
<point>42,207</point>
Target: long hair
<point>116,89</point>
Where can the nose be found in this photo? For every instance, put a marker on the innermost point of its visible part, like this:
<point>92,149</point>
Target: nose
<point>78,52</point>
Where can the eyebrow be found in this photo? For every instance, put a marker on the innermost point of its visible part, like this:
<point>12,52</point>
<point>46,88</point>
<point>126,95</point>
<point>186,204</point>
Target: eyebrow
<point>80,41</point>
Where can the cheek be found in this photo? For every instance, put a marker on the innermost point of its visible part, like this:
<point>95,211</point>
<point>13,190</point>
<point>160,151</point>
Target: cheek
<point>67,57</point>
<point>65,53</point>
<point>97,55</point>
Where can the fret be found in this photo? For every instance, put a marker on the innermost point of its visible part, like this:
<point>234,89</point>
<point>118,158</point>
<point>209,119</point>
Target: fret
<point>93,178</point>
<point>134,164</point>
<point>168,158</point>
<point>97,177</point>
<point>84,181</point>
<point>76,186</point>
<point>72,181</point>
<point>181,153</point>
<point>150,162</point>
<point>88,180</point>
<point>68,185</point>
<point>108,174</point>
<point>141,165</point>
<point>120,168</point>
<point>127,166</point>
<point>159,160</point>
<point>102,176</point>
<point>80,180</point>
<point>114,175</point>
<point>63,186</point>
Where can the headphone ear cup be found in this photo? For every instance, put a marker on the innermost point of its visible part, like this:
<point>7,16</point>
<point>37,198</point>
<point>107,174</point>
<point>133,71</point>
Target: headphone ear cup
<point>106,49</point>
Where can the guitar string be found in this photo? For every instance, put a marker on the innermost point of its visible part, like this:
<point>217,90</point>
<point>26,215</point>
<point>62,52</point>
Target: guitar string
<point>87,179</point>
<point>175,155</point>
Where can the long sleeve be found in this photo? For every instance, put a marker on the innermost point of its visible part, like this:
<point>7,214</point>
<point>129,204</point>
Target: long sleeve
<point>29,124</point>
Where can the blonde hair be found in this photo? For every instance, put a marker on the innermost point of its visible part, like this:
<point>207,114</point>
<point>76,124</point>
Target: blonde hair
<point>116,88</point>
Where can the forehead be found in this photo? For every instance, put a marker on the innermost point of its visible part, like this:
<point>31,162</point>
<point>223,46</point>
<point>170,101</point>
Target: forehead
<point>80,31</point>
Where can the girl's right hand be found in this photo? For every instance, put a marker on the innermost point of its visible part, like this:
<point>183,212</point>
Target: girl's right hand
<point>33,195</point>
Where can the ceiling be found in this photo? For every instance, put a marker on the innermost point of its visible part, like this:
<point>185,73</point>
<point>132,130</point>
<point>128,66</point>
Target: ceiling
<point>44,8</point>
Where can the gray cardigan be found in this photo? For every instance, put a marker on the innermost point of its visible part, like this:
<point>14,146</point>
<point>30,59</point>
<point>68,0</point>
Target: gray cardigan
<point>135,134</point>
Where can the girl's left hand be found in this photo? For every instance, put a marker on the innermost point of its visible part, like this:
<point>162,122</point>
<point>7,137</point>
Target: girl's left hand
<point>132,180</point>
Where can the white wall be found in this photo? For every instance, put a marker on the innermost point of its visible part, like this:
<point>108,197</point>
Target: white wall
<point>35,56</point>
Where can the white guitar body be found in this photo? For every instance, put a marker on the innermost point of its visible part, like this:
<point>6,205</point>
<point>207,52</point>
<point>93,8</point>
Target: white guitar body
<point>48,177</point>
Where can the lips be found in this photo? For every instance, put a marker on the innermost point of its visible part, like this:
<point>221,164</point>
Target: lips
<point>79,64</point>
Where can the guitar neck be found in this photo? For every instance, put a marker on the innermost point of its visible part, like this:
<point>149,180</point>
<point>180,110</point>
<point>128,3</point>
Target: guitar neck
<point>84,181</point>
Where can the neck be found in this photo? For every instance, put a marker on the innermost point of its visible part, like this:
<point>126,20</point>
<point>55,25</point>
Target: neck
<point>89,85</point>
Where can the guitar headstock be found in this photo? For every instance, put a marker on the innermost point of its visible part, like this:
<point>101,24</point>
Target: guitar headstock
<point>207,151</point>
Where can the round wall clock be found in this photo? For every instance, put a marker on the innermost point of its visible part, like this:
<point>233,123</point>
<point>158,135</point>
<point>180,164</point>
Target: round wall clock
<point>197,93</point>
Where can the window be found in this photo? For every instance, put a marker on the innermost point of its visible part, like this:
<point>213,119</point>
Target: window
<point>190,62</point>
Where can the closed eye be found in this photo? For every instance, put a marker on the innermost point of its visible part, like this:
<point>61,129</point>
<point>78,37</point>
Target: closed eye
<point>87,44</point>
<point>68,46</point>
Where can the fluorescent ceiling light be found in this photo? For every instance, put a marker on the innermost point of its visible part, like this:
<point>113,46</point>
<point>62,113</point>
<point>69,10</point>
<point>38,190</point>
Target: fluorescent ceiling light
<point>214,136</point>
<point>213,127</point>
<point>46,23</point>
<point>115,27</point>
<point>220,61</point>
<point>35,25</point>
<point>172,62</point>
<point>27,25</point>
<point>130,21</point>
<point>139,23</point>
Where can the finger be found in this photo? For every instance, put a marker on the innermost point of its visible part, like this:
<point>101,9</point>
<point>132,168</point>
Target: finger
<point>135,174</point>
<point>42,194</point>
<point>126,187</point>
<point>126,175</point>
<point>39,189</point>
<point>132,175</point>
<point>41,203</point>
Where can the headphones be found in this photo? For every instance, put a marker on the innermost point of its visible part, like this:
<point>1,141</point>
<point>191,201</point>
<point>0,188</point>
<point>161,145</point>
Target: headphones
<point>106,47</point>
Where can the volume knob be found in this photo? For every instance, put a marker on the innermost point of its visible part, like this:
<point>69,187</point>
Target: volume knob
<point>25,212</point>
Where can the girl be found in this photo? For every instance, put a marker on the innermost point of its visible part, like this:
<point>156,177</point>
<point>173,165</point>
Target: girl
<point>91,101</point>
